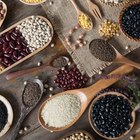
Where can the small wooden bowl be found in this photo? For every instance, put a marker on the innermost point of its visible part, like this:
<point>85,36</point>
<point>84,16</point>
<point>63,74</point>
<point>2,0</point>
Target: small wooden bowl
<point>77,131</point>
<point>113,4</point>
<point>27,3</point>
<point>120,20</point>
<point>91,121</point>
<point>10,115</point>
<point>36,51</point>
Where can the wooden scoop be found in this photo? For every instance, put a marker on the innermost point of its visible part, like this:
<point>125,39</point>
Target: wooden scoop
<point>91,120</point>
<point>31,70</point>
<point>122,59</point>
<point>79,12</point>
<point>25,110</point>
<point>85,95</point>
<point>5,8</point>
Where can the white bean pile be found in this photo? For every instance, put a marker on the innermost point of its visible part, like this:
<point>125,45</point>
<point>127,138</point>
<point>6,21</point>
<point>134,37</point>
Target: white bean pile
<point>36,32</point>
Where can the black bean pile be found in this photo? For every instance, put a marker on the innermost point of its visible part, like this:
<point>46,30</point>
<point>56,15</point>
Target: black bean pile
<point>112,115</point>
<point>70,78</point>
<point>31,94</point>
<point>3,115</point>
<point>131,21</point>
<point>13,47</point>
<point>102,50</point>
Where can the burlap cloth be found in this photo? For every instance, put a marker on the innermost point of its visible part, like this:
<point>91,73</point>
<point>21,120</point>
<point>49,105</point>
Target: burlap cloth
<point>63,16</point>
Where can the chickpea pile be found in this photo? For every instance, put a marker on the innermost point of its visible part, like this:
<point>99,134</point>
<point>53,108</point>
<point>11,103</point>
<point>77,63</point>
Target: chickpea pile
<point>108,29</point>
<point>78,136</point>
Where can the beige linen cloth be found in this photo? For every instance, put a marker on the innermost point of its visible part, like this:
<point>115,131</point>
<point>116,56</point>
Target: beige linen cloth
<point>63,16</point>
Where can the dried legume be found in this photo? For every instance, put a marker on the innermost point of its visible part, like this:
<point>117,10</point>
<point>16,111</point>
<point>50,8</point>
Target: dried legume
<point>108,29</point>
<point>77,136</point>
<point>70,78</point>
<point>13,47</point>
<point>36,32</point>
<point>130,21</point>
<point>61,110</point>
<point>85,21</point>
<point>111,115</point>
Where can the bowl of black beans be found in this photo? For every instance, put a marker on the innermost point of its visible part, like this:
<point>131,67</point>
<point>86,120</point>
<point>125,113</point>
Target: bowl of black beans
<point>111,115</point>
<point>130,20</point>
<point>6,115</point>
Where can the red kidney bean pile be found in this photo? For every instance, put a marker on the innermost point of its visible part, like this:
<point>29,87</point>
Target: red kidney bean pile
<point>2,11</point>
<point>13,47</point>
<point>70,78</point>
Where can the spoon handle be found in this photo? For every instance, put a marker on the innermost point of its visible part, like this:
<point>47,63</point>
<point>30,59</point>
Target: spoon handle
<point>129,62</point>
<point>75,5</point>
<point>107,81</point>
<point>18,125</point>
<point>17,74</point>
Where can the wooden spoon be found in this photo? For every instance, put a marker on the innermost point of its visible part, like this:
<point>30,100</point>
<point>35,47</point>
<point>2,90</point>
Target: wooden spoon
<point>91,120</point>
<point>79,12</point>
<point>85,95</point>
<point>26,110</point>
<point>31,70</point>
<point>122,59</point>
<point>5,8</point>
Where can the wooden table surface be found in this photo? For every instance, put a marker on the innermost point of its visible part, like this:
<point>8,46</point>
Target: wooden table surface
<point>12,90</point>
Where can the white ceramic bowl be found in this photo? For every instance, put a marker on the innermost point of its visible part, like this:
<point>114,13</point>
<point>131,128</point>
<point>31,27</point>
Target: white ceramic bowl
<point>10,115</point>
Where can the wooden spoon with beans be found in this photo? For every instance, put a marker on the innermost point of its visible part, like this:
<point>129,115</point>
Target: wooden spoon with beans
<point>26,108</point>
<point>85,95</point>
<point>104,51</point>
<point>83,19</point>
<point>53,62</point>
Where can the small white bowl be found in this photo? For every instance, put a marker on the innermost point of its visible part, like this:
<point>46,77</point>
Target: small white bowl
<point>10,115</point>
<point>32,3</point>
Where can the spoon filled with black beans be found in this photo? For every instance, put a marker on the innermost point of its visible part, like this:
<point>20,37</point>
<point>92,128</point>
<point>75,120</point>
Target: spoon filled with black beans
<point>111,115</point>
<point>104,51</point>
